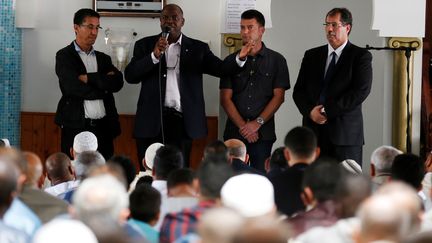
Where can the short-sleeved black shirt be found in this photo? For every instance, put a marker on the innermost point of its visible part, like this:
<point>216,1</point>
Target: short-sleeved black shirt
<point>253,89</point>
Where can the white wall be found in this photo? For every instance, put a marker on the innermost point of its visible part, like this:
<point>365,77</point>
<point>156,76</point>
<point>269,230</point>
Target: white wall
<point>297,26</point>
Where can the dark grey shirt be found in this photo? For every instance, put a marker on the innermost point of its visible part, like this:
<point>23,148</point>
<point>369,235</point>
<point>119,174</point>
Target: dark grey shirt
<point>253,89</point>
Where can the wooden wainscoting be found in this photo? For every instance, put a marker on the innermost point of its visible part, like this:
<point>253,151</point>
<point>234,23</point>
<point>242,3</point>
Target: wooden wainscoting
<point>41,135</point>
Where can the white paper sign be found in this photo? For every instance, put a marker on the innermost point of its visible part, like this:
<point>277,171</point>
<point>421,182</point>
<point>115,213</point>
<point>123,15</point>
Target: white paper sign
<point>234,9</point>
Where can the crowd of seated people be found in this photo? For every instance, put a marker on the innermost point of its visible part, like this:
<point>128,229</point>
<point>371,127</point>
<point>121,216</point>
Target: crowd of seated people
<point>302,198</point>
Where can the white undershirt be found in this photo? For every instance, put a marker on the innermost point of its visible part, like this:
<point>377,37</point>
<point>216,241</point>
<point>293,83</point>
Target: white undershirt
<point>172,91</point>
<point>93,109</point>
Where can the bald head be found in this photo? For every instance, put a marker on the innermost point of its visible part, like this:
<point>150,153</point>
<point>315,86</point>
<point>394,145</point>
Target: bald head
<point>59,168</point>
<point>236,149</point>
<point>35,168</point>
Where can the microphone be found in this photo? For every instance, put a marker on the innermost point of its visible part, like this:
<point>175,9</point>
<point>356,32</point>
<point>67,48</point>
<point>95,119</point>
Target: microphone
<point>166,31</point>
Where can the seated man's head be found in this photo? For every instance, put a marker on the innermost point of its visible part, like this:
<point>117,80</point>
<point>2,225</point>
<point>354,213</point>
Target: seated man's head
<point>84,141</point>
<point>59,168</point>
<point>277,160</point>
<point>182,183</point>
<point>319,182</point>
<point>85,160</point>
<point>168,158</point>
<point>237,150</point>
<point>34,175</point>
<point>410,169</point>
<point>148,160</point>
<point>216,150</point>
<point>382,160</point>
<point>393,212</point>
<point>127,166</point>
<point>101,198</point>
<point>144,204</point>
<point>212,175</point>
<point>301,146</point>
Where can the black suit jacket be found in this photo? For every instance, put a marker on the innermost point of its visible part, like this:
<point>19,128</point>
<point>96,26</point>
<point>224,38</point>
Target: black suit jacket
<point>195,60</point>
<point>346,91</point>
<point>70,110</point>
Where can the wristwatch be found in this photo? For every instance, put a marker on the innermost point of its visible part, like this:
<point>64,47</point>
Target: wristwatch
<point>260,120</point>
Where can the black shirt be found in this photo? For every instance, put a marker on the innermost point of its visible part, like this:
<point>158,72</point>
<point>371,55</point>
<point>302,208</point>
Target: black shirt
<point>253,89</point>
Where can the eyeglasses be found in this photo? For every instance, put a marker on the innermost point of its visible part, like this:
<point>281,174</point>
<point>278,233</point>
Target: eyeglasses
<point>174,18</point>
<point>333,24</point>
<point>91,27</point>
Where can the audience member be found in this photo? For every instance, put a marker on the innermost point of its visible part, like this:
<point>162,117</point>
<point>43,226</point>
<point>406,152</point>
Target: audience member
<point>410,168</point>
<point>146,166</point>
<point>83,141</point>
<point>381,163</point>
<point>65,231</point>
<point>249,194</point>
<point>61,174</point>
<point>167,159</point>
<point>127,166</point>
<point>9,174</point>
<point>262,230</point>
<point>407,200</point>
<point>212,174</point>
<point>144,205</point>
<point>277,163</point>
<point>300,150</point>
<point>350,193</point>
<point>219,225</point>
<point>382,219</point>
<point>216,151</point>
<point>101,202</point>
<point>145,180</point>
<point>45,206</point>
<point>319,187</point>
<point>82,163</point>
<point>19,215</point>
<point>238,157</point>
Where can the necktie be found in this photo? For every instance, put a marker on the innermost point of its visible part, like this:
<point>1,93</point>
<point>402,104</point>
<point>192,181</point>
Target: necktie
<point>329,74</point>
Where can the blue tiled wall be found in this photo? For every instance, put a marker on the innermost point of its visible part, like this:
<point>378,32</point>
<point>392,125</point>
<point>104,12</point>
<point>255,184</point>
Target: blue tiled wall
<point>10,74</point>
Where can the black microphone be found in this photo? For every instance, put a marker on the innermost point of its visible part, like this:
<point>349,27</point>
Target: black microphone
<point>166,31</point>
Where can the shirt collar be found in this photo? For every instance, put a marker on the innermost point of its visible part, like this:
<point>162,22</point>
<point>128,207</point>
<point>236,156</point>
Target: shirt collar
<point>263,50</point>
<point>338,50</point>
<point>79,50</point>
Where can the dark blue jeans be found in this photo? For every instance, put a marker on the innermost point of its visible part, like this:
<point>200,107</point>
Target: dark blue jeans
<point>258,153</point>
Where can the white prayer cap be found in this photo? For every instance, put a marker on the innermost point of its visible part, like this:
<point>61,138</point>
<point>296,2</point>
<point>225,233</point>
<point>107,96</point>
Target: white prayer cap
<point>151,153</point>
<point>250,194</point>
<point>85,141</point>
<point>6,142</point>
<point>65,231</point>
<point>352,166</point>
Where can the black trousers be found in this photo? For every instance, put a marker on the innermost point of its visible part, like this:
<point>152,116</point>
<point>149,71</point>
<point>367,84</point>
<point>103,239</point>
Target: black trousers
<point>338,152</point>
<point>258,153</point>
<point>100,128</point>
<point>174,134</point>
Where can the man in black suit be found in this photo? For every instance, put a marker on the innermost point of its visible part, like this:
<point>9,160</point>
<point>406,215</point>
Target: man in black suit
<point>332,84</point>
<point>170,70</point>
<point>87,80</point>
<point>300,151</point>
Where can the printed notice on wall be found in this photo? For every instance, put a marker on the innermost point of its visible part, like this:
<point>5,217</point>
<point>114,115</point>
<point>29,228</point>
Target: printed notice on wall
<point>234,9</point>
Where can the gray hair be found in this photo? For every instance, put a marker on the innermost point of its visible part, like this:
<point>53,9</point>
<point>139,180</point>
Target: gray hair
<point>85,160</point>
<point>382,158</point>
<point>100,196</point>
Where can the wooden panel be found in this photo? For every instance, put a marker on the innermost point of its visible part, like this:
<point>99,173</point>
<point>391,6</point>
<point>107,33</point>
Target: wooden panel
<point>41,135</point>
